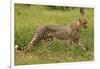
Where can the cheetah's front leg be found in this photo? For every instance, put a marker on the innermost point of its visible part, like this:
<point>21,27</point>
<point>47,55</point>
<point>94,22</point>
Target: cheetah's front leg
<point>80,45</point>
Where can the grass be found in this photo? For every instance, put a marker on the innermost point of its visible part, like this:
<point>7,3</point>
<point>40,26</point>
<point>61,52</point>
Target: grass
<point>29,18</point>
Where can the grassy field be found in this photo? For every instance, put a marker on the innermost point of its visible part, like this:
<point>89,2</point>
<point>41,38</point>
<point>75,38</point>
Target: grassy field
<point>29,18</point>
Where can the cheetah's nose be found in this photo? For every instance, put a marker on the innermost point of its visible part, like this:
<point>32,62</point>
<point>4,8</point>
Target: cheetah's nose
<point>86,25</point>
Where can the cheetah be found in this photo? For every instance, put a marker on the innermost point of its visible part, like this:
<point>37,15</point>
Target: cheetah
<point>50,32</point>
<point>62,32</point>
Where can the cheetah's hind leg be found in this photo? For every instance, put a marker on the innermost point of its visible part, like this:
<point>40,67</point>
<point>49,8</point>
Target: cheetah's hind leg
<point>48,42</point>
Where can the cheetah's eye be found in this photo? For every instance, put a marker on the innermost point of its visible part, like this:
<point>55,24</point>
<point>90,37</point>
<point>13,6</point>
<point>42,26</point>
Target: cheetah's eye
<point>84,23</point>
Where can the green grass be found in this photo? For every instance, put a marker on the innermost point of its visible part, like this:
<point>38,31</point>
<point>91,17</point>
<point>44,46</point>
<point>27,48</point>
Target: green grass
<point>29,18</point>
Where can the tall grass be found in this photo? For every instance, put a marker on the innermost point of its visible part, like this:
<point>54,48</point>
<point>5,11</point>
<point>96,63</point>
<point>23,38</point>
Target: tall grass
<point>29,18</point>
